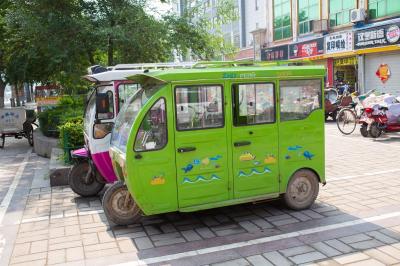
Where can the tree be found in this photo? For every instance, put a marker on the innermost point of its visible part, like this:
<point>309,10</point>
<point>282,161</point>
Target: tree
<point>3,8</point>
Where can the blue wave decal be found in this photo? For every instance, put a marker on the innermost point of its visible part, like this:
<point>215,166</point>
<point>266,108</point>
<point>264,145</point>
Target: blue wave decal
<point>294,148</point>
<point>255,172</point>
<point>200,178</point>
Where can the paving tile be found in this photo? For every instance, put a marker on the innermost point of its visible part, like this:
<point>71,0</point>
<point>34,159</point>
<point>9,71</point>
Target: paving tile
<point>249,226</point>
<point>336,244</point>
<point>90,239</point>
<point>381,256</point>
<point>259,260</point>
<point>102,246</point>
<point>366,244</point>
<point>296,250</point>
<point>350,258</point>
<point>237,262</point>
<point>41,262</point>
<point>370,262</point>
<point>382,237</point>
<point>285,222</point>
<point>64,245</point>
<point>205,232</point>
<point>277,259</point>
<point>307,257</point>
<point>127,246</point>
<point>101,253</point>
<point>326,249</point>
<point>73,254</point>
<point>300,216</point>
<point>29,258</point>
<point>106,236</point>
<point>354,238</point>
<point>395,253</point>
<point>191,235</point>
<point>312,214</point>
<point>21,249</point>
<point>143,243</point>
<point>39,246</point>
<point>64,239</point>
<point>263,224</point>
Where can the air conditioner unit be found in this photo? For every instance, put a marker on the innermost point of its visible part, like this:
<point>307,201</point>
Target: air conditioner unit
<point>319,26</point>
<point>358,15</point>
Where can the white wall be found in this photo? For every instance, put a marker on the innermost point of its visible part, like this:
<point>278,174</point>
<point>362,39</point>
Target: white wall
<point>255,19</point>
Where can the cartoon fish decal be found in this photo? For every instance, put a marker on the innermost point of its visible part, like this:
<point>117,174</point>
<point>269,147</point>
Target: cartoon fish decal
<point>247,156</point>
<point>308,155</point>
<point>196,162</point>
<point>270,159</point>
<point>157,180</point>
<point>287,157</point>
<point>188,168</point>
<point>294,148</point>
<point>215,158</point>
<point>205,161</point>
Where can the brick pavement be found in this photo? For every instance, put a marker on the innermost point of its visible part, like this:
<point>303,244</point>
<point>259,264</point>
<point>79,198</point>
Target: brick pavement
<point>57,226</point>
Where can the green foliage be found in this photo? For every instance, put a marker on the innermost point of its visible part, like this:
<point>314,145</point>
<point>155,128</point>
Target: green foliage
<point>68,109</point>
<point>71,133</point>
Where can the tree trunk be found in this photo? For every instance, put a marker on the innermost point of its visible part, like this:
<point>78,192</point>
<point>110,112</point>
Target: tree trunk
<point>2,89</point>
<point>110,51</point>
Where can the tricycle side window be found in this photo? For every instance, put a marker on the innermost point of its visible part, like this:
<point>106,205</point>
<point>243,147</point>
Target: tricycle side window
<point>298,98</point>
<point>125,91</point>
<point>253,103</point>
<point>199,107</point>
<point>152,134</point>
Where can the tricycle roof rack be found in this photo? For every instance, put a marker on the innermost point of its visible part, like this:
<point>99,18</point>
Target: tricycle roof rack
<point>145,66</point>
<point>210,64</point>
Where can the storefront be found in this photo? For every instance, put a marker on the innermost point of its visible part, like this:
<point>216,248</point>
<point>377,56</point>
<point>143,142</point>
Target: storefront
<point>378,47</point>
<point>341,60</point>
<point>275,53</point>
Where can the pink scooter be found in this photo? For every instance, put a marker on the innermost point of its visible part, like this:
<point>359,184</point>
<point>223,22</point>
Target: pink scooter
<point>92,164</point>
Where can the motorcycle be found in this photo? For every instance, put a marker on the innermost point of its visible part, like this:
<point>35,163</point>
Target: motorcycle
<point>382,118</point>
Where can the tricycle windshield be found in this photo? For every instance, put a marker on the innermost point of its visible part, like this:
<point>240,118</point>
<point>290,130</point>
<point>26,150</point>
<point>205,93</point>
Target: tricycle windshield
<point>89,111</point>
<point>128,114</point>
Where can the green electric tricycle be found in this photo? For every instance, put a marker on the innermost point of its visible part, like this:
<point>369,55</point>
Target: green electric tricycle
<point>195,139</point>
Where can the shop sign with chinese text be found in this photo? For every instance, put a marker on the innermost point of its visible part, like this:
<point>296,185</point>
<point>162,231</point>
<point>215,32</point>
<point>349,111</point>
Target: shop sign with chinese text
<point>339,42</point>
<point>275,53</point>
<point>377,36</point>
<point>306,49</point>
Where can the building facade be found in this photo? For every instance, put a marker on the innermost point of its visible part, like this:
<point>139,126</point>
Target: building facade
<point>357,40</point>
<point>238,33</point>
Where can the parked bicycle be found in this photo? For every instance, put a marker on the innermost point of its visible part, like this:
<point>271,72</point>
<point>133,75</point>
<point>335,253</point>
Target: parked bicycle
<point>348,117</point>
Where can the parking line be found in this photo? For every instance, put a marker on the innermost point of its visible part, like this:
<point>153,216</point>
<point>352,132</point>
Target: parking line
<point>7,199</point>
<point>362,175</point>
<point>262,240</point>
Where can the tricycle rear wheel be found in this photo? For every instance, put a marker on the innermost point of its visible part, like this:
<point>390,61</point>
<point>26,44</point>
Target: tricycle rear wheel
<point>29,134</point>
<point>119,206</point>
<point>302,190</point>
<point>78,183</point>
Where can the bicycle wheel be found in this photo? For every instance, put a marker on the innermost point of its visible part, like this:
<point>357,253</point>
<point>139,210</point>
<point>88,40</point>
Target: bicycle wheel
<point>346,121</point>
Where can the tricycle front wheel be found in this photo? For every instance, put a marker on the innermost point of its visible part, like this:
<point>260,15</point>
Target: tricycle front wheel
<point>119,206</point>
<point>29,134</point>
<point>80,183</point>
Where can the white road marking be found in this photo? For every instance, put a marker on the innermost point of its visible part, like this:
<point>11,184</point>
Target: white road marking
<point>262,240</point>
<point>362,175</point>
<point>7,199</point>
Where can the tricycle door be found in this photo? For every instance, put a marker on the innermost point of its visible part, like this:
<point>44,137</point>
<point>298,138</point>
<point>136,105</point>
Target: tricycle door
<point>200,145</point>
<point>152,164</point>
<point>254,140</point>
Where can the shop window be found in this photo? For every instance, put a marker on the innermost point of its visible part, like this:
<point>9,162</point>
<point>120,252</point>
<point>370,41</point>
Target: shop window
<point>253,104</point>
<point>339,11</point>
<point>282,19</point>
<point>383,8</point>
<point>152,134</point>
<point>199,107</point>
<point>308,11</point>
<point>299,98</point>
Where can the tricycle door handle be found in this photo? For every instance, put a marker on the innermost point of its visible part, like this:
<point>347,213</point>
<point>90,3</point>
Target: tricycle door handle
<point>242,143</point>
<point>186,149</point>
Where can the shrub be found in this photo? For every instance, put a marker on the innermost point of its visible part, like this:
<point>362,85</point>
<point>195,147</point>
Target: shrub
<point>68,107</point>
<point>71,133</point>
